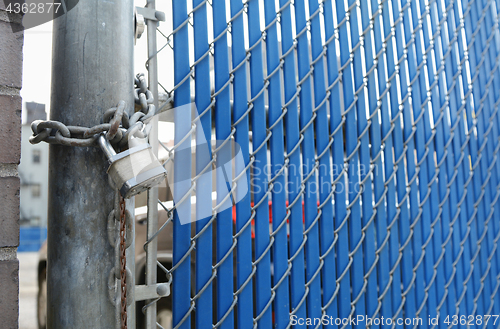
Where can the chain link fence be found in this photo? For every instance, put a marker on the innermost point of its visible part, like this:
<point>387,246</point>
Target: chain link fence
<point>363,178</point>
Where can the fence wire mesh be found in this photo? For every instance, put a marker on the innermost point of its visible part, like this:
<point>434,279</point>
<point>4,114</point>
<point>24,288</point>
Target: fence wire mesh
<point>369,137</point>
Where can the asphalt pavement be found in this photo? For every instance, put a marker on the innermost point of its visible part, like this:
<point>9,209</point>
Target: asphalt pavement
<point>28,289</point>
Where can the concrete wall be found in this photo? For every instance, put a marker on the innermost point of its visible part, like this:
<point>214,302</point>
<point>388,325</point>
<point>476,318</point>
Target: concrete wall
<point>11,47</point>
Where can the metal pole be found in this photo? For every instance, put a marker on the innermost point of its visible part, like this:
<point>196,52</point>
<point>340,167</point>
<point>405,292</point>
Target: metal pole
<point>92,70</point>
<point>152,219</point>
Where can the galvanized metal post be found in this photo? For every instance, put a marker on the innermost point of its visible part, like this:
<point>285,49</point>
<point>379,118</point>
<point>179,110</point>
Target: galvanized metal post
<point>92,70</point>
<point>152,219</point>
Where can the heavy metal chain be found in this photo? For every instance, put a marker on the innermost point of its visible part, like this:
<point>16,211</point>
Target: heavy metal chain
<point>123,265</point>
<point>119,123</point>
<point>120,235</point>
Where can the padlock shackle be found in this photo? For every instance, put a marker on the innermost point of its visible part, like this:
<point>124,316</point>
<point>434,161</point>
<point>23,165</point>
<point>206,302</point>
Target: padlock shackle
<point>106,146</point>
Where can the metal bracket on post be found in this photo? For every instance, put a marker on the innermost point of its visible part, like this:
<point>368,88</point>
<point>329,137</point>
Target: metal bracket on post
<point>142,14</point>
<point>150,14</point>
<point>144,292</point>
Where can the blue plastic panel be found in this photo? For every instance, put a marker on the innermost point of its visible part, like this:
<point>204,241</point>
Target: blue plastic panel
<point>369,137</point>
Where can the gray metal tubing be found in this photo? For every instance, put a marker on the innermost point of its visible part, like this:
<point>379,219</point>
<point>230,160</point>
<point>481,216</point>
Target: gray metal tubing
<point>152,216</point>
<point>92,70</point>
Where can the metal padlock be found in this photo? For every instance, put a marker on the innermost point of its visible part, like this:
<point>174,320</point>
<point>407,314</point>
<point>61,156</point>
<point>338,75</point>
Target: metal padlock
<point>135,170</point>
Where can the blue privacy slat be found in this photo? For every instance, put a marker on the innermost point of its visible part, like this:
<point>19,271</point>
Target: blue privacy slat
<point>203,156</point>
<point>293,141</point>
<point>308,164</point>
<point>224,225</point>
<point>454,160</point>
<point>404,152</point>
<point>325,209</point>
<point>477,209</point>
<point>339,301</point>
<point>349,110</point>
<point>446,289</point>
<point>310,198</point>
<point>369,132</point>
<point>351,149</point>
<point>477,159</point>
<point>259,179</point>
<point>434,146</point>
<point>492,66</point>
<point>490,135</point>
<point>411,136</point>
<point>481,109</point>
<point>365,169</point>
<point>468,230</point>
<point>494,81</point>
<point>409,236</point>
<point>357,152</point>
<point>376,159</point>
<point>400,218</point>
<point>420,116</point>
<point>243,207</point>
<point>383,190</point>
<point>182,233</point>
<point>277,176</point>
<point>393,135</point>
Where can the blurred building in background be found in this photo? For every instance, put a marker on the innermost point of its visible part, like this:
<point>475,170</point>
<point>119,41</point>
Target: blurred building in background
<point>33,171</point>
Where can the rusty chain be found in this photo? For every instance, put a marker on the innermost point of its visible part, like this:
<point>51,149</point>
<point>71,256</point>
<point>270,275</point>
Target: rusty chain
<point>123,266</point>
<point>120,281</point>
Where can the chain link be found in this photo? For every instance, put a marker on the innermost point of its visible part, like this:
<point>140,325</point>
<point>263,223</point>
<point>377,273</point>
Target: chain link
<point>396,80</point>
<point>120,122</point>
<point>123,265</point>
